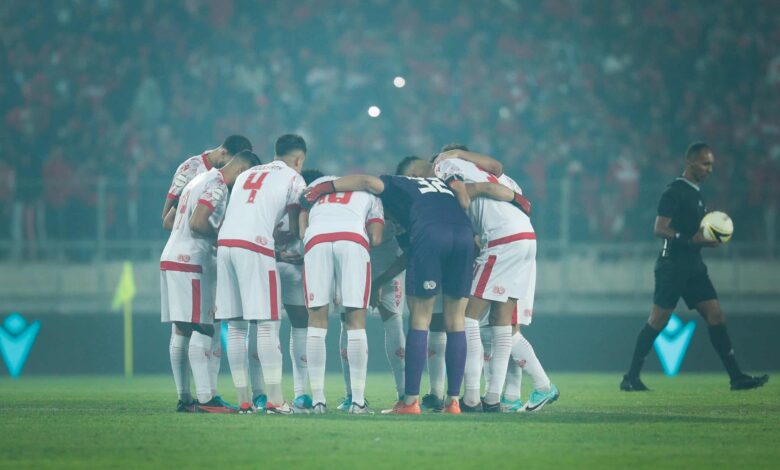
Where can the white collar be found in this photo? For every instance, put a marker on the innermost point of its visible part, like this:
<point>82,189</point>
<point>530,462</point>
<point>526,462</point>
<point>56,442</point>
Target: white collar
<point>680,178</point>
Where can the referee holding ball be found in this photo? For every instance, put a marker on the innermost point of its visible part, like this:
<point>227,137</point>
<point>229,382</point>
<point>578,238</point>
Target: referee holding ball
<point>680,272</point>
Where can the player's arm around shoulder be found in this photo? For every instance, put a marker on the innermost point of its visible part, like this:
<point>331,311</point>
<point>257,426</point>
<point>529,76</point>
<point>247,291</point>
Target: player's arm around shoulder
<point>461,193</point>
<point>489,164</point>
<point>369,183</point>
<point>495,191</point>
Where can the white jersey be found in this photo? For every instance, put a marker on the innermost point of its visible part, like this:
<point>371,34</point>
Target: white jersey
<point>495,221</point>
<point>188,170</point>
<point>261,196</point>
<point>342,216</point>
<point>184,246</point>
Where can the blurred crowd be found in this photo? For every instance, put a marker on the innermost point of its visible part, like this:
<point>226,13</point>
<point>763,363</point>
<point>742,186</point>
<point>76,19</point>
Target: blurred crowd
<point>605,95</point>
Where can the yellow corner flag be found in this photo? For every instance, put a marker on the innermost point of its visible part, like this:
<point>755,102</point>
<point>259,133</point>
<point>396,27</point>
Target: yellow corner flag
<point>123,298</point>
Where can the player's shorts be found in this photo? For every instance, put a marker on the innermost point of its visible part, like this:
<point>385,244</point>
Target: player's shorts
<point>508,271</point>
<point>247,285</point>
<point>682,278</point>
<point>344,263</point>
<point>187,293</point>
<point>291,277</point>
<point>393,297</point>
<point>441,258</point>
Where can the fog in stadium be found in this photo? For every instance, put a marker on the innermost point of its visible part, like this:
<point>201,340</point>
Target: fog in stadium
<point>343,233</point>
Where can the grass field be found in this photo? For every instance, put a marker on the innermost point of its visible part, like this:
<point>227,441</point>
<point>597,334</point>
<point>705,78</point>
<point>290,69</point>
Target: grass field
<point>689,421</point>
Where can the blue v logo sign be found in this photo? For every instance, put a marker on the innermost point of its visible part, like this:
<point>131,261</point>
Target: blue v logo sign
<point>672,344</point>
<point>16,340</point>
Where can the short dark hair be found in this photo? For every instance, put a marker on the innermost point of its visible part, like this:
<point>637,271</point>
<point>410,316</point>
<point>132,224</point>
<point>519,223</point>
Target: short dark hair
<point>311,175</point>
<point>249,158</point>
<point>236,143</point>
<point>454,146</point>
<point>288,143</point>
<point>406,163</point>
<point>695,149</point>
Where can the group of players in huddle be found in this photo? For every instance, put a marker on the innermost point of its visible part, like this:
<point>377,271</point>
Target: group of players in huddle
<point>451,235</point>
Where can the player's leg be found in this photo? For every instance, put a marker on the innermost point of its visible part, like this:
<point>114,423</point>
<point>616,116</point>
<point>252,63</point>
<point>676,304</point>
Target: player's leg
<point>472,376</point>
<point>437,344</point>
<point>215,358</point>
<point>455,352</point>
<point>421,309</point>
<point>200,357</point>
<point>256,380</point>
<point>501,332</point>
<point>669,281</point>
<point>524,355</point>
<point>177,347</point>
<point>357,352</point>
<point>510,401</point>
<point>318,281</point>
<point>237,333</point>
<point>391,311</point>
<point>721,342</point>
<point>299,318</point>
<point>347,401</point>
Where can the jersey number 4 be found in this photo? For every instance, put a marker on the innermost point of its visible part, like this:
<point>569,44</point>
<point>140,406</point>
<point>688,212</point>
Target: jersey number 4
<point>253,183</point>
<point>432,185</point>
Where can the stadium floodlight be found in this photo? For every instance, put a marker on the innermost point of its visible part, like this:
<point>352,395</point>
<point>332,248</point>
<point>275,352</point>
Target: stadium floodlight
<point>374,111</point>
<point>399,82</point>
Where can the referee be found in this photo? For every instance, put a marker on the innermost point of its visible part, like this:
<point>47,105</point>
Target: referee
<point>680,272</point>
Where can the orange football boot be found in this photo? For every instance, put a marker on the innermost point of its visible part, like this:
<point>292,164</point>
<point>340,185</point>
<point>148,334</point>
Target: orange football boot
<point>453,407</point>
<point>402,408</point>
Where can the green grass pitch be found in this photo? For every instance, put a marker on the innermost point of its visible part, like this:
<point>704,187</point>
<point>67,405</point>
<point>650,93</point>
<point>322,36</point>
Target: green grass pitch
<point>686,422</point>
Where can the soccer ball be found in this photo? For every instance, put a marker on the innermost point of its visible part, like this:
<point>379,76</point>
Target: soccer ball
<point>717,227</point>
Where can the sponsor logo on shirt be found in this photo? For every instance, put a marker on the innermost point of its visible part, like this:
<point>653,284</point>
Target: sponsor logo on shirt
<point>183,258</point>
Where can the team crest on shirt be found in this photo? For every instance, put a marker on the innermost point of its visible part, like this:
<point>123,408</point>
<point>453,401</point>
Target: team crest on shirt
<point>183,258</point>
<point>261,240</point>
<point>527,312</point>
<point>499,290</point>
<point>180,180</point>
<point>429,285</point>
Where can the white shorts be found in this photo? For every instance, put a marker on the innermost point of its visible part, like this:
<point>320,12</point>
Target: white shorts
<point>345,263</point>
<point>291,277</point>
<point>506,271</point>
<point>187,296</point>
<point>247,285</point>
<point>393,294</point>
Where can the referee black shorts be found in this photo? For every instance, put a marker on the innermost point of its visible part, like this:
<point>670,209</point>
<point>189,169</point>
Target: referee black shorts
<point>682,278</point>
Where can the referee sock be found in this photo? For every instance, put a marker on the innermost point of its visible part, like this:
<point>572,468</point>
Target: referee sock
<point>200,354</point>
<point>643,344</point>
<point>416,352</point>
<point>298,356</point>
<point>455,358</point>
<point>474,359</point>
<point>722,344</point>
<point>270,354</point>
<point>215,360</point>
<point>357,351</point>
<point>237,358</point>
<point>394,348</point>
<point>180,364</point>
<point>254,367</point>
<point>316,355</point>
<point>437,341</point>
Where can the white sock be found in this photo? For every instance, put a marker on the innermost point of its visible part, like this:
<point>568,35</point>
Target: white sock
<point>298,357</point>
<point>499,358</point>
<point>473,373</point>
<point>486,335</point>
<point>315,354</point>
<point>437,369</point>
<point>270,353</point>
<point>514,379</point>
<point>395,342</point>
<point>215,361</point>
<point>344,359</point>
<point>180,364</point>
<point>523,353</point>
<point>357,351</point>
<point>237,358</point>
<point>255,368</point>
<point>200,354</point>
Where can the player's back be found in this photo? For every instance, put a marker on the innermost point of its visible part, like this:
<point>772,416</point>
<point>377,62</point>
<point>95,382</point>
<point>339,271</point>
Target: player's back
<point>492,219</point>
<point>189,169</point>
<point>342,212</point>
<point>417,202</point>
<point>185,246</point>
<point>260,197</point>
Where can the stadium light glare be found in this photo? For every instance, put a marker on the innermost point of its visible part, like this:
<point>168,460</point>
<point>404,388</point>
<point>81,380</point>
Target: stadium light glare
<point>399,82</point>
<point>374,111</point>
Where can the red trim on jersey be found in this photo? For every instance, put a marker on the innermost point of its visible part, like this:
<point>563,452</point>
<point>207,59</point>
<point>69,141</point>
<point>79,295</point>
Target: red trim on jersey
<point>196,301</point>
<point>485,276</point>
<point>375,220</point>
<point>336,237</point>
<point>206,161</point>
<point>181,267</point>
<point>514,316</point>
<point>207,204</point>
<point>512,238</point>
<point>367,289</point>
<point>172,196</point>
<point>247,246</point>
<point>272,288</point>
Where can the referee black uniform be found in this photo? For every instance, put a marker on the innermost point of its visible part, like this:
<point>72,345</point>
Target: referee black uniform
<point>681,272</point>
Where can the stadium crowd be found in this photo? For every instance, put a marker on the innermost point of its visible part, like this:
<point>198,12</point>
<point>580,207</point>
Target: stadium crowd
<point>126,90</point>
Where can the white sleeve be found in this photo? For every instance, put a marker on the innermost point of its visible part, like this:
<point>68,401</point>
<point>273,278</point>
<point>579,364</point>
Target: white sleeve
<point>376,213</point>
<point>446,169</point>
<point>184,174</point>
